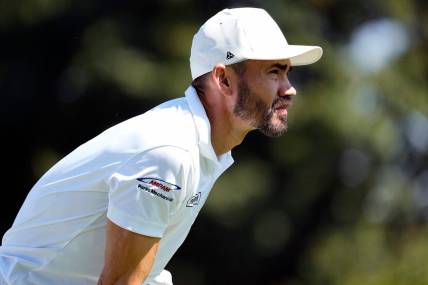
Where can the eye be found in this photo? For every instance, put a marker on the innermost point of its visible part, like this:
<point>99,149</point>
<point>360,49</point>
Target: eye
<point>274,71</point>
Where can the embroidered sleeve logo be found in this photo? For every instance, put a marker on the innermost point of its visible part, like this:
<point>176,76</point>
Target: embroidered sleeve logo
<point>158,187</point>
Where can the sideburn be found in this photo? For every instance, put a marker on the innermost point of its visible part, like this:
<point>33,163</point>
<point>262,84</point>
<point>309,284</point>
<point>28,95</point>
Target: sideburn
<point>248,106</point>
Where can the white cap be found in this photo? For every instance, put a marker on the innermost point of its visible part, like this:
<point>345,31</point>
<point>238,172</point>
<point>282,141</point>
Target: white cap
<point>234,35</point>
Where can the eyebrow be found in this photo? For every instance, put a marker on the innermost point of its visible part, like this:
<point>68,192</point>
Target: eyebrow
<point>280,66</point>
<point>283,67</point>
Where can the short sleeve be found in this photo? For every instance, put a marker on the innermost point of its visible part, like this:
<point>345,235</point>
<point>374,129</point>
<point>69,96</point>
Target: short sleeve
<point>145,191</point>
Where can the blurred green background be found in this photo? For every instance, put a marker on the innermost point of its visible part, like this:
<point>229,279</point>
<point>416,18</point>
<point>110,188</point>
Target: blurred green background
<point>342,198</point>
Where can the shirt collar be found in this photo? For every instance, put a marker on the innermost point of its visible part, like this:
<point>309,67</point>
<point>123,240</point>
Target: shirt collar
<point>203,129</point>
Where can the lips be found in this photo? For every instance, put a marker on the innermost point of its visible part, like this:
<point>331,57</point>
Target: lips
<point>282,104</point>
<point>281,112</point>
<point>281,107</point>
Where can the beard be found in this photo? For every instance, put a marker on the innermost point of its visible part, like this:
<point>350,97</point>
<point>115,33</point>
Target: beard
<point>251,107</point>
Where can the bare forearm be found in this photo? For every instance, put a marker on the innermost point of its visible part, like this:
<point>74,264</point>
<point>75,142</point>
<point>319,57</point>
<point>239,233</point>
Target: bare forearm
<point>128,257</point>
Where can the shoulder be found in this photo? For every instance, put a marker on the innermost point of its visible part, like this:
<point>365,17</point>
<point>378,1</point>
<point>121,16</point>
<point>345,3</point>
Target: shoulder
<point>168,124</point>
<point>171,156</point>
<point>166,162</point>
<point>163,176</point>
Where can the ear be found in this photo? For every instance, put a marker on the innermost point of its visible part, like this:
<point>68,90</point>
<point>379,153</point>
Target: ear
<point>222,78</point>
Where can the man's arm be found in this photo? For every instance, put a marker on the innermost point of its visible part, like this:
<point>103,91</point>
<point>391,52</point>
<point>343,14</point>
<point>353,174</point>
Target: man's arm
<point>128,256</point>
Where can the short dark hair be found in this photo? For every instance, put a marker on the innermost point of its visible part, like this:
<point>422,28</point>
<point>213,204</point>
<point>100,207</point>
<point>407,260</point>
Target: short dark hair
<point>199,82</point>
<point>239,68</point>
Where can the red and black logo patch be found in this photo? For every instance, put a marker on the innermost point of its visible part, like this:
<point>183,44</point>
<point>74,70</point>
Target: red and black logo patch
<point>153,185</point>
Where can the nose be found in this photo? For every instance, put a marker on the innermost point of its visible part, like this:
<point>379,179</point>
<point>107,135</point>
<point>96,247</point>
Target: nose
<point>286,89</point>
<point>291,91</point>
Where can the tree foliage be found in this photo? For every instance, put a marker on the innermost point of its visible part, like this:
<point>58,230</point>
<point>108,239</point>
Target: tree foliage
<point>342,198</point>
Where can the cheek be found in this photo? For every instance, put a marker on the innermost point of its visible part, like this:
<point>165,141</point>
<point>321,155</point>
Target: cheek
<point>268,98</point>
<point>267,91</point>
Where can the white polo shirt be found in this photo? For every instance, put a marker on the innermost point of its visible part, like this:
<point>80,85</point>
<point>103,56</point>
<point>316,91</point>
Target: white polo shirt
<point>150,174</point>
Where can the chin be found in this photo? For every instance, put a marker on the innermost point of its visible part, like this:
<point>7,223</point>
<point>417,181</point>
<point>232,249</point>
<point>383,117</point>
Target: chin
<point>274,131</point>
<point>273,125</point>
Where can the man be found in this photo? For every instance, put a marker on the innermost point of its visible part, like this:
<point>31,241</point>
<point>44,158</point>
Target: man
<point>116,209</point>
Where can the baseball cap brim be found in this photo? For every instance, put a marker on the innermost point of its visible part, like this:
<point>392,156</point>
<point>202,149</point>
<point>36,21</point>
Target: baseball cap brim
<point>298,54</point>
<point>304,55</point>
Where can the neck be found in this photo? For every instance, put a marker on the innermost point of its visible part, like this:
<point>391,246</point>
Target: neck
<point>225,133</point>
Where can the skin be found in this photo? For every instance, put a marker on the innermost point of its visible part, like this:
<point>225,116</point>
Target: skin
<point>128,256</point>
<point>270,119</point>
<point>235,105</point>
<point>270,94</point>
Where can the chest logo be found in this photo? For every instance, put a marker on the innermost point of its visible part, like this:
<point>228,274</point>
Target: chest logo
<point>194,200</point>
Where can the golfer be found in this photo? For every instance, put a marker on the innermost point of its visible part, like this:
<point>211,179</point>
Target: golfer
<point>116,209</point>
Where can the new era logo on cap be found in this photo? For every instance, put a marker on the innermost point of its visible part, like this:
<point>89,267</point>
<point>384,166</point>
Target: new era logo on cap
<point>229,55</point>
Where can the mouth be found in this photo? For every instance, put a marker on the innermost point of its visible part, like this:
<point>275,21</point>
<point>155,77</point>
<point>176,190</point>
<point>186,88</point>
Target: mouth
<point>281,109</point>
<point>282,112</point>
<point>282,105</point>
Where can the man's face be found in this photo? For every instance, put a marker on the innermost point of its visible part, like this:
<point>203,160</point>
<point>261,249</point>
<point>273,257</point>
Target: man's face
<point>264,94</point>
